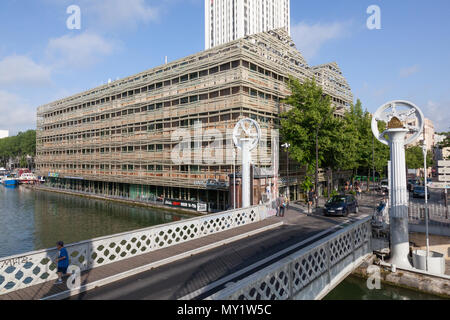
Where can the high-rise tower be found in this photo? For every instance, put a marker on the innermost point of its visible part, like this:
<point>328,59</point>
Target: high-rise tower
<point>228,20</point>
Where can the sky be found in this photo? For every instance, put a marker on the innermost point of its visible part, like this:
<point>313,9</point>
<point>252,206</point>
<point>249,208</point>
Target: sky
<point>41,60</point>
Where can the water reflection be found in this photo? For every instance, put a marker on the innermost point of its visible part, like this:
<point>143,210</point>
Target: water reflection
<point>32,220</point>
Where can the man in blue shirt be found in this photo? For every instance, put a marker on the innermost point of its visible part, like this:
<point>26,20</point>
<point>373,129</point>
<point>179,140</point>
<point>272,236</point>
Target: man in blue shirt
<point>62,261</point>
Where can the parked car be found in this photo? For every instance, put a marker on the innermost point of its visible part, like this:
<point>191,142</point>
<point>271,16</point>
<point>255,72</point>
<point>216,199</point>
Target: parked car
<point>419,192</point>
<point>341,205</point>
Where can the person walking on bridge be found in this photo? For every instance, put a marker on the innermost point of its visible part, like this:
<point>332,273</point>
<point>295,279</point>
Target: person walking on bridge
<point>62,261</point>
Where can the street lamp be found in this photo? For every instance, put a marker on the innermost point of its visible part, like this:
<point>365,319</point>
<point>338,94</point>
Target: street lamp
<point>373,163</point>
<point>317,161</point>
<point>287,146</point>
<point>424,149</point>
<point>397,140</point>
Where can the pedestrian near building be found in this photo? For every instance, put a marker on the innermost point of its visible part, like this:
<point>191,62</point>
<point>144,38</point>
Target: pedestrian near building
<point>311,197</point>
<point>286,201</point>
<point>62,261</point>
<point>281,206</point>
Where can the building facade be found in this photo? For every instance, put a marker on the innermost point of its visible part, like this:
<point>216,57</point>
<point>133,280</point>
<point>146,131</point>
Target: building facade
<point>119,139</point>
<point>229,20</point>
<point>428,134</point>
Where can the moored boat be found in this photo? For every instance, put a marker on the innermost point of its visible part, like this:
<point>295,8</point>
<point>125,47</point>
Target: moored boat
<point>28,178</point>
<point>10,182</point>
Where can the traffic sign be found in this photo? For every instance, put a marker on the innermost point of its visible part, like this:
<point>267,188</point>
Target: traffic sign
<point>444,170</point>
<point>444,178</point>
<point>444,163</point>
<point>439,185</point>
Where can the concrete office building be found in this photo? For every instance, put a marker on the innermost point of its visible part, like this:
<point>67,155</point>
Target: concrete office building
<point>228,20</point>
<point>117,139</point>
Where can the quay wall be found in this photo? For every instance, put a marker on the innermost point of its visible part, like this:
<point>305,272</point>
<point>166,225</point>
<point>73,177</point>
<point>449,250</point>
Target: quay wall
<point>439,286</point>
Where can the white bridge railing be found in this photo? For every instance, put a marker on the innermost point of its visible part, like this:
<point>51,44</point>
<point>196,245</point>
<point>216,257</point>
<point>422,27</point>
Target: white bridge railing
<point>20,271</point>
<point>308,273</point>
<point>437,212</point>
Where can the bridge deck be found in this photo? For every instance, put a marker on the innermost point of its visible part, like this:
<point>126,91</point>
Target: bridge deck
<point>49,288</point>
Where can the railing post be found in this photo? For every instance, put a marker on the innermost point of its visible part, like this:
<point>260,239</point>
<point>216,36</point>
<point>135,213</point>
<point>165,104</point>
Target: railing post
<point>291,280</point>
<point>328,252</point>
<point>88,256</point>
<point>353,239</point>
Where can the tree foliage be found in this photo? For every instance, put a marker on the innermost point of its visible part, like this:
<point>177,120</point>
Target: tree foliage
<point>414,158</point>
<point>311,112</point>
<point>18,146</point>
<point>344,144</point>
<point>446,142</point>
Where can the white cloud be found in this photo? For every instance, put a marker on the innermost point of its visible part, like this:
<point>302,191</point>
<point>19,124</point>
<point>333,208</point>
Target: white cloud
<point>309,38</point>
<point>439,113</point>
<point>81,50</point>
<point>119,13</point>
<point>22,70</point>
<point>17,113</point>
<point>409,71</point>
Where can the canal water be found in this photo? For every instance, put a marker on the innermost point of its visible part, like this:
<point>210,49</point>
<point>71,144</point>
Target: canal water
<point>355,288</point>
<point>32,220</point>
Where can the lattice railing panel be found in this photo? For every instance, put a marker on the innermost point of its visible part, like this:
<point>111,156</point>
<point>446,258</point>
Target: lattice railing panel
<point>308,267</point>
<point>37,267</point>
<point>274,286</point>
<point>285,279</point>
<point>340,247</point>
<point>27,270</point>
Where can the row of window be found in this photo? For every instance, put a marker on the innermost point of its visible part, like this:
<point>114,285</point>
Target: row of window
<point>174,81</point>
<point>154,126</point>
<point>133,167</point>
<point>130,149</point>
<point>156,106</point>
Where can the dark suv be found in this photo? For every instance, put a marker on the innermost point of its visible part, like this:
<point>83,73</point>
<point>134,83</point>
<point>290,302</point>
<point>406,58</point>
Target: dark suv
<point>341,205</point>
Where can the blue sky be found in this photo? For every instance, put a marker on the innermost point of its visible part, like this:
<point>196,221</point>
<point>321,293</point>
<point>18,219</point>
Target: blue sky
<point>41,60</point>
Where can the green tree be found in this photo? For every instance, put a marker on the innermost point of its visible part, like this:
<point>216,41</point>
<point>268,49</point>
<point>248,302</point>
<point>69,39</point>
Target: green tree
<point>21,145</point>
<point>310,121</point>
<point>414,158</point>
